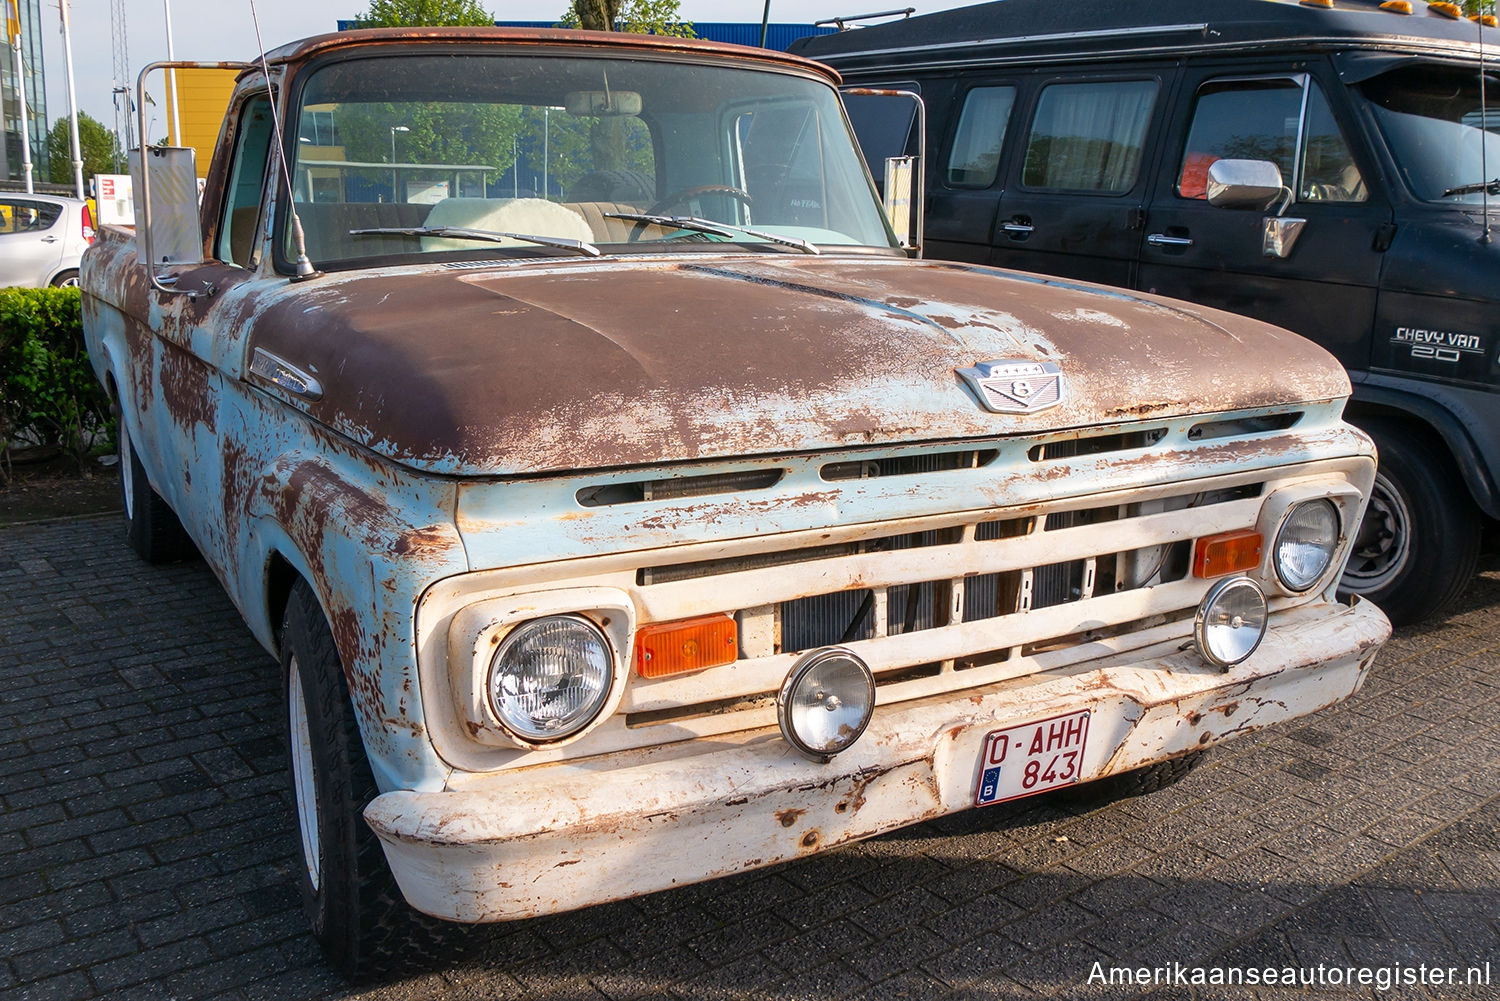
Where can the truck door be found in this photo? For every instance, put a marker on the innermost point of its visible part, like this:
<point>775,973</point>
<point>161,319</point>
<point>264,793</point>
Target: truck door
<point>1077,181</point>
<point>1325,288</point>
<point>190,357</point>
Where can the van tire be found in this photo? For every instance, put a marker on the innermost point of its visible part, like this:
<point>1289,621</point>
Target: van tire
<point>356,911</point>
<point>1418,545</point>
<point>151,526</point>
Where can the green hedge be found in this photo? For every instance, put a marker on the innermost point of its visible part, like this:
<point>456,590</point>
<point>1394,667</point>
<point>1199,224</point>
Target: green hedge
<point>48,394</point>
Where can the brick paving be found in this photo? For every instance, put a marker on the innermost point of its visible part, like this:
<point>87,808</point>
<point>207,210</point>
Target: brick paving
<point>147,853</point>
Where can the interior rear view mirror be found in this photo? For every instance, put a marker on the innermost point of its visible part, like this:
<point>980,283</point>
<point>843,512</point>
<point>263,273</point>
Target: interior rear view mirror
<point>603,103</point>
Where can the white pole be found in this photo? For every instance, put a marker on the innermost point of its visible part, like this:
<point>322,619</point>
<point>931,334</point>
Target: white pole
<point>25,118</point>
<point>172,79</point>
<point>62,7</point>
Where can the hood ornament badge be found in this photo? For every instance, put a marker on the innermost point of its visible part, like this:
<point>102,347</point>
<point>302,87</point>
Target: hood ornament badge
<point>1015,386</point>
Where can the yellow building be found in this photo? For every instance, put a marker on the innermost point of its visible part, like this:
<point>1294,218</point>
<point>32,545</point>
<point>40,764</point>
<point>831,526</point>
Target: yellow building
<point>204,94</point>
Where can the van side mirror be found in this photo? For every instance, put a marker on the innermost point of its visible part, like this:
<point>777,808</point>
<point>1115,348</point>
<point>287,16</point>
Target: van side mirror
<point>167,230</point>
<point>1244,184</point>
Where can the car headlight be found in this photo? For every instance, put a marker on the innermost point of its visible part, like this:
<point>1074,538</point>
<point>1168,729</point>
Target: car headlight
<point>826,702</point>
<point>550,677</point>
<point>1231,621</point>
<point>1305,543</point>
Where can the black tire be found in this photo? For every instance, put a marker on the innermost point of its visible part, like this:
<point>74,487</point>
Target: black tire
<point>1138,782</point>
<point>1418,544</point>
<point>66,279</point>
<point>151,526</point>
<point>356,911</point>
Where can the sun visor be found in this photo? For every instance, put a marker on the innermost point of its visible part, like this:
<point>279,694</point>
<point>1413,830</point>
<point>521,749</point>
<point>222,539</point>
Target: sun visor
<point>1357,67</point>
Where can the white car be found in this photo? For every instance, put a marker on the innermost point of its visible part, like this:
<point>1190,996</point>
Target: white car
<point>42,238</point>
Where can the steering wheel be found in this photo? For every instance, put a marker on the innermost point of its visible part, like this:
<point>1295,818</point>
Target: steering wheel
<point>688,194</point>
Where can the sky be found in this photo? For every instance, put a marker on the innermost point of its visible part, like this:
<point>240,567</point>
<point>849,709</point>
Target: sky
<point>222,29</point>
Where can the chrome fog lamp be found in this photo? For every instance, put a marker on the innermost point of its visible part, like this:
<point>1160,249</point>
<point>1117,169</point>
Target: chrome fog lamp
<point>550,677</point>
<point>826,702</point>
<point>1305,543</point>
<point>1231,621</point>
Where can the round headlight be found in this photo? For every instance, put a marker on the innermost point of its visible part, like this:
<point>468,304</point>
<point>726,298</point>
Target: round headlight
<point>1305,543</point>
<point>826,702</point>
<point>550,677</point>
<point>1231,621</point>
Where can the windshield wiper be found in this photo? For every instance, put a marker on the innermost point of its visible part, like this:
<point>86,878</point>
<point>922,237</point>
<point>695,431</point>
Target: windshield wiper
<point>716,228</point>
<point>1493,187</point>
<point>484,235</point>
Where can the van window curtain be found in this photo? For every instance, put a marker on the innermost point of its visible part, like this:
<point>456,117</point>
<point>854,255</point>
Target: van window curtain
<point>1089,136</point>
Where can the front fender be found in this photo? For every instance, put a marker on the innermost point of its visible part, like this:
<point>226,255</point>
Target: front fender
<point>368,542</point>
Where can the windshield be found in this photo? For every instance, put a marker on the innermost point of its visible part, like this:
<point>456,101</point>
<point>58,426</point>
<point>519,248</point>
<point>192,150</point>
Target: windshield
<point>1431,119</point>
<point>559,147</point>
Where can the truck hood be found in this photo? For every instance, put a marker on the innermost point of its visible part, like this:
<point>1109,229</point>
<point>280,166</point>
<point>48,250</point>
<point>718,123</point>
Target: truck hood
<point>579,365</point>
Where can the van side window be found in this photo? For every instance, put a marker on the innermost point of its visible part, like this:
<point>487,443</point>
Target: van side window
<point>980,137</point>
<point>1270,119</point>
<point>1089,136</point>
<point>242,199</point>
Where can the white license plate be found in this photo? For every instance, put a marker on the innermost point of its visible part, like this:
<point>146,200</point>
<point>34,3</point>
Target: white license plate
<point>1031,758</point>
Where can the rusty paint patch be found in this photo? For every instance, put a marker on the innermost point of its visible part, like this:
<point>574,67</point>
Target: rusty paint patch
<point>789,817</point>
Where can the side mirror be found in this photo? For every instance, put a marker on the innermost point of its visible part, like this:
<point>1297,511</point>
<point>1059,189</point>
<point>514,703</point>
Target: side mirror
<point>903,196</point>
<point>897,186</point>
<point>1244,184</point>
<point>167,229</point>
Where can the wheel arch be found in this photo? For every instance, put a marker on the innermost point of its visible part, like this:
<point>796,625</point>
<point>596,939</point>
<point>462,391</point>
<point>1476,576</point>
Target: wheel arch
<point>1435,415</point>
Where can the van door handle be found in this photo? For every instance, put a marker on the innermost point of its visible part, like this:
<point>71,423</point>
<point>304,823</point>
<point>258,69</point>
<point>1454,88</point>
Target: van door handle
<point>1163,240</point>
<point>49,239</point>
<point>1018,228</point>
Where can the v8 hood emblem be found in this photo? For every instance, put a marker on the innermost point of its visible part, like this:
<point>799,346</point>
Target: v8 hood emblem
<point>1013,386</point>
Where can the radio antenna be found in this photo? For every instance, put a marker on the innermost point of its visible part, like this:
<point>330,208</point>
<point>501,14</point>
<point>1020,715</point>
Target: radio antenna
<point>305,270</point>
<point>1484,132</point>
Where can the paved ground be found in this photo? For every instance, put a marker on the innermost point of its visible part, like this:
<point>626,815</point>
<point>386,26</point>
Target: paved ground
<point>145,853</point>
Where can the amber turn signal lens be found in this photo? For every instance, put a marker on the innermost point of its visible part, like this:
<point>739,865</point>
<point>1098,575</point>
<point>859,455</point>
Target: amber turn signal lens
<point>689,645</point>
<point>1226,553</point>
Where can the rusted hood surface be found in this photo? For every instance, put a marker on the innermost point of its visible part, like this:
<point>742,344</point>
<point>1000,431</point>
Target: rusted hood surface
<point>585,365</point>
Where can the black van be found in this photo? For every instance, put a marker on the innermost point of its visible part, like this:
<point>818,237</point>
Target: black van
<point>1118,142</point>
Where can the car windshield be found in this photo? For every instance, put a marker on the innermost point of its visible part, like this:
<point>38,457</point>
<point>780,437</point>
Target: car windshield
<point>392,149</point>
<point>1431,117</point>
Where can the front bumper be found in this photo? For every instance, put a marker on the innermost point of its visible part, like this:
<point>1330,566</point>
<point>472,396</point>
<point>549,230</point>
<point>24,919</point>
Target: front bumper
<point>556,837</point>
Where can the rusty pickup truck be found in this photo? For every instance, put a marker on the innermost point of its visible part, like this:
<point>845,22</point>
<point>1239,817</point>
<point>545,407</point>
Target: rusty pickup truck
<point>626,507</point>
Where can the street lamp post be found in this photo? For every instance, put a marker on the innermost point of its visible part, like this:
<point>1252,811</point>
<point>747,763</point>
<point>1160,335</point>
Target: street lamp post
<point>394,130</point>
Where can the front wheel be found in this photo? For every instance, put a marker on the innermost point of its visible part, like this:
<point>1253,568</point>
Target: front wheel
<point>1139,782</point>
<point>1418,544</point>
<point>351,900</point>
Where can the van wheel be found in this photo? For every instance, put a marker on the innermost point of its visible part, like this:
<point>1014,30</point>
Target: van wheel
<point>1418,544</point>
<point>66,279</point>
<point>1138,782</point>
<point>351,900</point>
<point>151,526</point>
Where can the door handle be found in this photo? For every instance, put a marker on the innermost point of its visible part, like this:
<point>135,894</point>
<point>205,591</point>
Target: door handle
<point>1163,240</point>
<point>1017,228</point>
<point>49,239</point>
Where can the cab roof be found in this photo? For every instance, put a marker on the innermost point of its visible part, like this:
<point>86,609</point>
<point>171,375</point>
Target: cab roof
<point>1086,29</point>
<point>627,44</point>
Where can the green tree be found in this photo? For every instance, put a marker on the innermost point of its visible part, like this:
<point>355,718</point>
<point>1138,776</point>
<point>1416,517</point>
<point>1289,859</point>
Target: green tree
<point>1474,8</point>
<point>643,17</point>
<point>420,13</point>
<point>96,143</point>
